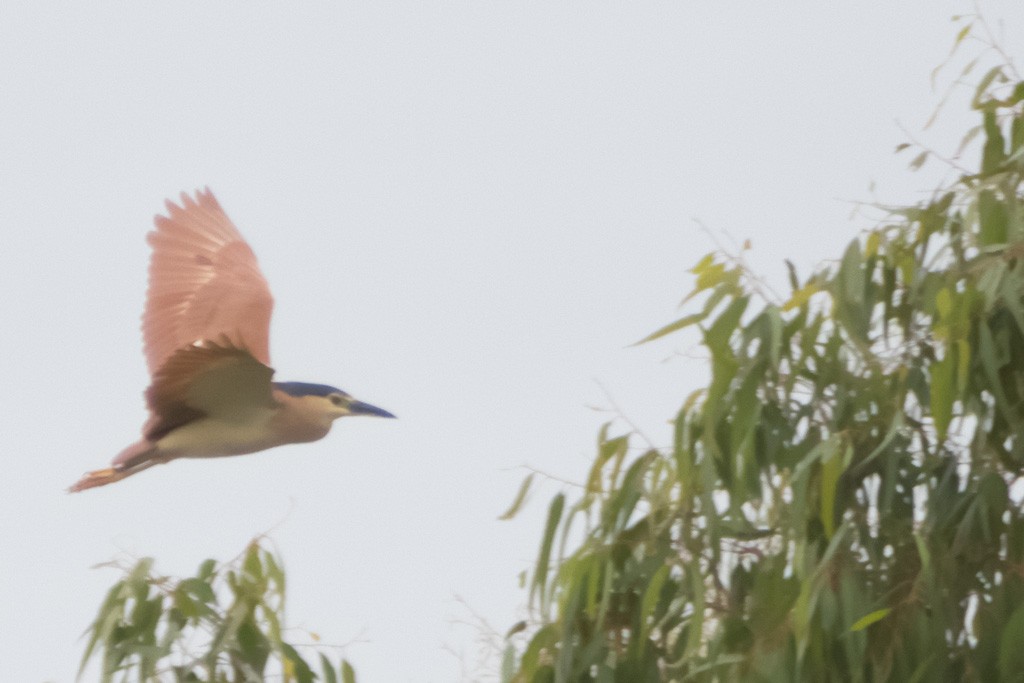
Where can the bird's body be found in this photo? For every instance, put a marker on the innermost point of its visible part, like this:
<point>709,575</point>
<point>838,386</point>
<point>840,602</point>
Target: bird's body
<point>206,331</point>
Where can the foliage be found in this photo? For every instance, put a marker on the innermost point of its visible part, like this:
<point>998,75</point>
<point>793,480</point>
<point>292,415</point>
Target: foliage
<point>842,501</point>
<point>223,625</point>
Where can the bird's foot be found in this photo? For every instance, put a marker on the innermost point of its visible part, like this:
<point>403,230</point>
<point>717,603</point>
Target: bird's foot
<point>98,478</point>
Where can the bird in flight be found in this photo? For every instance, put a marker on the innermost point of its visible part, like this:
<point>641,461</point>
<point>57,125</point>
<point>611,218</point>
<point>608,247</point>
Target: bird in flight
<point>205,331</point>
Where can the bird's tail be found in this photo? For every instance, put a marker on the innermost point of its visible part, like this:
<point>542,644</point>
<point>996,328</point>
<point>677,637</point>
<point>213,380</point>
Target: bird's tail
<point>132,460</point>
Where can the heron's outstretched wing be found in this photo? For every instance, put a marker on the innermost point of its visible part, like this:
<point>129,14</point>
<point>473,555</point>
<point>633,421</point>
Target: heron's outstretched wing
<point>211,380</point>
<point>204,284</point>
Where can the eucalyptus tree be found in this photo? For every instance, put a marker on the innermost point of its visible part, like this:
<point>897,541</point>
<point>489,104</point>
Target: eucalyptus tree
<point>842,500</point>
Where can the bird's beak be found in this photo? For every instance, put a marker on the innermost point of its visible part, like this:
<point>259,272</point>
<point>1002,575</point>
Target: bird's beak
<point>360,408</point>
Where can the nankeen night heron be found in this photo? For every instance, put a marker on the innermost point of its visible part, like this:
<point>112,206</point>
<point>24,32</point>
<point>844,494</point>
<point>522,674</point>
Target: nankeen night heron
<point>205,331</point>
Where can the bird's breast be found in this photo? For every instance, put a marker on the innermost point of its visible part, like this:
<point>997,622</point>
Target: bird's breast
<point>297,421</point>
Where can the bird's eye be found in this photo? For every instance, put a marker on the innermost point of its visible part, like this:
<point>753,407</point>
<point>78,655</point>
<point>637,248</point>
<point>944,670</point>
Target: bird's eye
<point>336,400</point>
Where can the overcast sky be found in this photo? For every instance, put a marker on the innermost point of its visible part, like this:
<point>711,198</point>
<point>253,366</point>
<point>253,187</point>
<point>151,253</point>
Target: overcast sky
<point>466,212</point>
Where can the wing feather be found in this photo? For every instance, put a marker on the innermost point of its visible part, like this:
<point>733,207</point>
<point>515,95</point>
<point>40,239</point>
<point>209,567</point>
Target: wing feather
<point>204,285</point>
<point>212,379</point>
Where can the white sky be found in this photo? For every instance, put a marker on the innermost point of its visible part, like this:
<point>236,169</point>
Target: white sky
<point>466,212</point>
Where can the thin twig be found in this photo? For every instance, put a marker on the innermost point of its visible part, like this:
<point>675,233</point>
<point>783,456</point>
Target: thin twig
<point>530,468</point>
<point>994,42</point>
<point>622,415</point>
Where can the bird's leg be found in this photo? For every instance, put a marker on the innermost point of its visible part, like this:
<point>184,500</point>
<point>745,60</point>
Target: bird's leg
<point>111,474</point>
<point>100,478</point>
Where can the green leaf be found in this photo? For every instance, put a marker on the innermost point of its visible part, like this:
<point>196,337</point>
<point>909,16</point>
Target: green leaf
<point>109,615</point>
<point>1011,647</point>
<point>608,450</point>
<point>539,644</point>
<point>961,34</point>
<point>831,468</point>
<point>776,328</point>
<point>252,565</point>
<point>963,360</point>
<point>540,574</point>
<point>697,598</point>
<point>993,219</point>
<point>649,603</point>
<point>206,570</point>
<point>872,244</point>
<point>994,152</point>
<point>942,392</point>
<point>1017,124</point>
<point>253,647</point>
<point>508,663</point>
<point>794,279</point>
<point>746,407</point>
<point>967,139</point>
<point>849,286</point>
<point>680,324</point>
<point>706,261</point>
<point>710,276</point>
<point>348,674</point>
<point>981,89</point>
<point>944,303</point>
<point>199,589</point>
<point>518,627</point>
<point>801,296</point>
<point>718,334</point>
<point>923,553</point>
<point>300,669</point>
<point>520,497</point>
<point>870,618</point>
<point>274,571</point>
<point>327,670</point>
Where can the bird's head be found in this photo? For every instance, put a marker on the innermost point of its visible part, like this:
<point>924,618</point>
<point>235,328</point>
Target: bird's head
<point>329,401</point>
